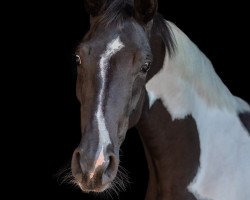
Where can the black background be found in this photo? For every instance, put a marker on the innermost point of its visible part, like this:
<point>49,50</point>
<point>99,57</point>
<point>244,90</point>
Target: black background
<point>48,112</point>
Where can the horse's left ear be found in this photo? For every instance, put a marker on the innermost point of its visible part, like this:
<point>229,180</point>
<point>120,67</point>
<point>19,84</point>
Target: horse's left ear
<point>144,10</point>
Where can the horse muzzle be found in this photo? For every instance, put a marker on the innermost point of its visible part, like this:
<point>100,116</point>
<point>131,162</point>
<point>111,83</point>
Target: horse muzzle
<point>94,175</point>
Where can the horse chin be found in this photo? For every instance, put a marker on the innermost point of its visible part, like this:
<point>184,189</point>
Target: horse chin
<point>93,187</point>
<point>99,189</point>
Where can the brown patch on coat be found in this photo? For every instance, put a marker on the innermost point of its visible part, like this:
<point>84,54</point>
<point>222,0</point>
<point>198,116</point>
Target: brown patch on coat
<point>172,149</point>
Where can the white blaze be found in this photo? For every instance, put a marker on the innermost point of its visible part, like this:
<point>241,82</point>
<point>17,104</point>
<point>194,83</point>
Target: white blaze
<point>112,48</point>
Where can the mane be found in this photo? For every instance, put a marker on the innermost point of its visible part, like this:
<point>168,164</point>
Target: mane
<point>188,73</point>
<point>163,29</point>
<point>117,11</point>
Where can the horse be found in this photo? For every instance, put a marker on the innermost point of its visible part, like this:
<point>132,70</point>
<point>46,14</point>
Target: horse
<point>136,69</point>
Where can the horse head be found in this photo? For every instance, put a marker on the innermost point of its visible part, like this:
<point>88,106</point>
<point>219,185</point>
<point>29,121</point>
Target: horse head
<point>113,61</point>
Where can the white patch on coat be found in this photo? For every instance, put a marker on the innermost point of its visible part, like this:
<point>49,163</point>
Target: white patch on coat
<point>151,98</point>
<point>112,48</point>
<point>187,84</point>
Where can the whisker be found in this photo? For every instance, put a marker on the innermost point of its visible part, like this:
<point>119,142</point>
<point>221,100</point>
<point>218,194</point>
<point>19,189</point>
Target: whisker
<point>114,190</point>
<point>119,184</point>
<point>64,176</point>
<point>108,193</point>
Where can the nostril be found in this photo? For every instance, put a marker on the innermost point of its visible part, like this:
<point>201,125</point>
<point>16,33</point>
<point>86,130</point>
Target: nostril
<point>76,167</point>
<point>78,160</point>
<point>110,166</point>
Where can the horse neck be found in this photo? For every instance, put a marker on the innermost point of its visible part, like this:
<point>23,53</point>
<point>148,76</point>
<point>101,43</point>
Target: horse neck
<point>187,89</point>
<point>187,84</point>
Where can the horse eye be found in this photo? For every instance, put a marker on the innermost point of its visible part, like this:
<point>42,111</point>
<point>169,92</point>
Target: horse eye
<point>146,67</point>
<point>78,60</point>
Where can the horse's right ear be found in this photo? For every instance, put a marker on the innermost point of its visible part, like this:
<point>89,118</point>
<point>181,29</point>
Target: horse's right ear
<point>94,7</point>
<point>145,10</point>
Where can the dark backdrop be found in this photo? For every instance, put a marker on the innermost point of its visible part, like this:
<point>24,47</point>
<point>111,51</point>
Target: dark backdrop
<point>53,111</point>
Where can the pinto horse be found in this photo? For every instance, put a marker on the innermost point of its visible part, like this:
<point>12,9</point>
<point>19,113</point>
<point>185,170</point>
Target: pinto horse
<point>136,69</point>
